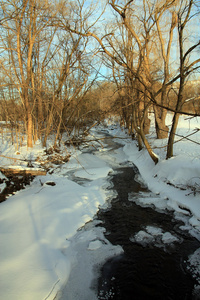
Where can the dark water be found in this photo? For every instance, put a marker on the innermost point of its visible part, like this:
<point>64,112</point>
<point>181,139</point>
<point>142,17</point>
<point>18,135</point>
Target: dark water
<point>151,271</point>
<point>13,184</point>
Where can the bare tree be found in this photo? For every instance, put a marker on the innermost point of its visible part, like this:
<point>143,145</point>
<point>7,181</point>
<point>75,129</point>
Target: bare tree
<point>47,53</point>
<point>137,75</point>
<point>165,47</point>
<point>186,67</point>
<point>22,27</point>
<point>46,64</point>
<point>134,76</point>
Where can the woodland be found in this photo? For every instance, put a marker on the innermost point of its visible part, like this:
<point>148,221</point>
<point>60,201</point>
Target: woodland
<point>65,66</point>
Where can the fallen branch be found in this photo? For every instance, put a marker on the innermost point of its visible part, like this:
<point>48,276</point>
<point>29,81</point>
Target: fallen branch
<point>28,171</point>
<point>14,158</point>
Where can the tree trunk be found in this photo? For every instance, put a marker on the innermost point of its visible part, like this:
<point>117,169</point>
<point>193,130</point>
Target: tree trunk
<point>172,136</point>
<point>161,128</point>
<point>148,147</point>
<point>29,128</point>
<point>180,101</point>
<point>48,126</point>
<point>40,117</point>
<point>139,139</point>
<point>147,123</point>
<point>58,128</point>
<point>142,138</point>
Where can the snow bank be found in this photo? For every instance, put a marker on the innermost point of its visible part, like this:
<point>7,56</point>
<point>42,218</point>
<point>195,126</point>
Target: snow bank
<point>176,180</point>
<point>38,224</point>
<point>35,227</point>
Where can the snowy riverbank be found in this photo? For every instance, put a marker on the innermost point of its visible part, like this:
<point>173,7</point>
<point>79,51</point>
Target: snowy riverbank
<point>37,224</point>
<point>177,180</point>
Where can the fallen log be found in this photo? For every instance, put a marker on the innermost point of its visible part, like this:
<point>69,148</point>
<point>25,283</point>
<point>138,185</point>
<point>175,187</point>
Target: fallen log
<point>25,171</point>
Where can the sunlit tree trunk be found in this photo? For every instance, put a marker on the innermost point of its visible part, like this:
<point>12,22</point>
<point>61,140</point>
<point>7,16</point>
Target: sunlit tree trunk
<point>183,18</point>
<point>160,112</point>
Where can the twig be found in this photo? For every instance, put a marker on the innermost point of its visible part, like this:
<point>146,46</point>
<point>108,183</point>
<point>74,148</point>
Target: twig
<point>186,137</point>
<point>14,158</point>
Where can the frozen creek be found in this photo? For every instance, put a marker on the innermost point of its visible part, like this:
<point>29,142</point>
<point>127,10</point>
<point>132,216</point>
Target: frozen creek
<point>133,251</point>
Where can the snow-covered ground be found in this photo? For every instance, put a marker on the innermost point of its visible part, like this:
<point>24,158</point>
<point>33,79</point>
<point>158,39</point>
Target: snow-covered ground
<point>39,243</point>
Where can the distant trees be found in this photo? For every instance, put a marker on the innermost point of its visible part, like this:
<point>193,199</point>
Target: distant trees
<point>47,66</point>
<point>23,28</point>
<point>149,72</point>
<point>139,48</point>
<point>50,53</point>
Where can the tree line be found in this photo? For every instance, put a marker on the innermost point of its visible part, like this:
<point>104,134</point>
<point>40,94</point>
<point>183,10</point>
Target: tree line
<point>53,53</point>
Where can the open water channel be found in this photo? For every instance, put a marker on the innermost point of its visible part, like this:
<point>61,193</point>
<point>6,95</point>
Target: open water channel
<point>150,267</point>
<point>156,248</point>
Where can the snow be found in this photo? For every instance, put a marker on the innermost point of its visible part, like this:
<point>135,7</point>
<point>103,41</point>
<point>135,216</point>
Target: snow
<point>89,250</point>
<point>41,249</point>
<point>154,235</point>
<point>142,238</point>
<point>35,224</point>
<point>194,260</point>
<point>176,179</point>
<point>168,238</point>
<point>95,245</point>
